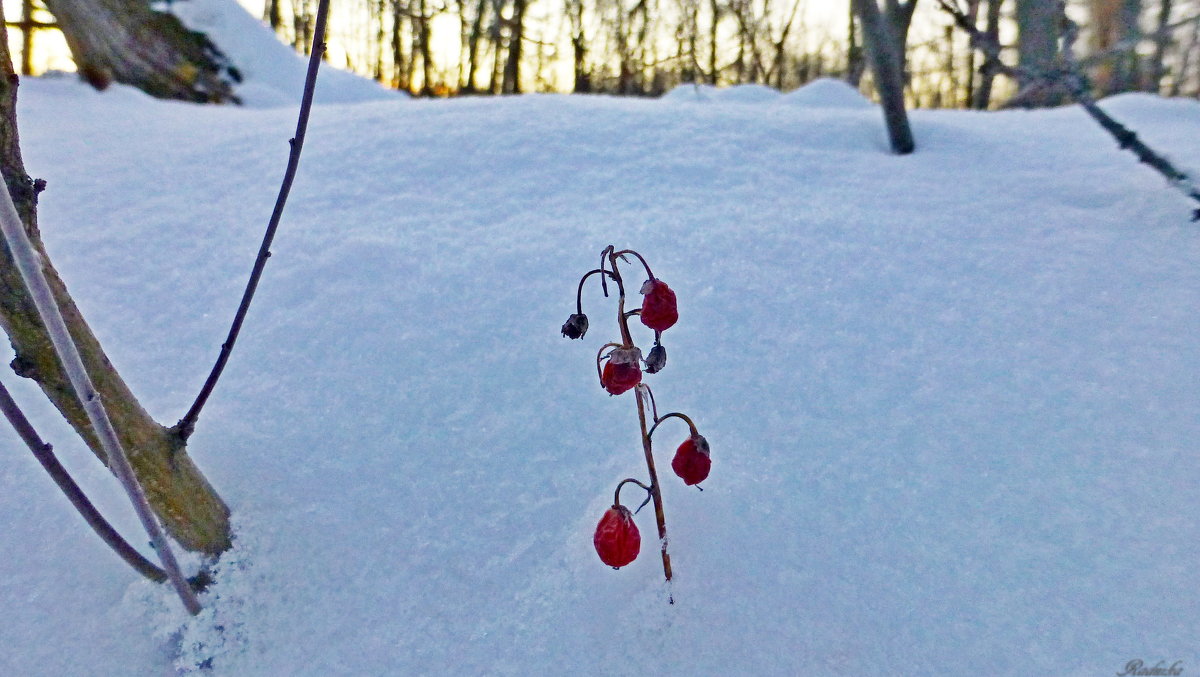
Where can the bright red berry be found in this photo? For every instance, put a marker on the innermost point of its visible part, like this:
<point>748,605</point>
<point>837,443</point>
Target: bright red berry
<point>622,371</point>
<point>692,461</point>
<point>617,539</point>
<point>659,311</point>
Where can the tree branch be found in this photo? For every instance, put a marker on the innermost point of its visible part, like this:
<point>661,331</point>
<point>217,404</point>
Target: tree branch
<point>44,454</point>
<point>187,425</point>
<point>1069,75</point>
<point>29,264</point>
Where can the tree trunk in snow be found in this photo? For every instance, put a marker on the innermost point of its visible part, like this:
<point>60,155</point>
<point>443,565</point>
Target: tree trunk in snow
<point>183,499</point>
<point>899,17</point>
<point>880,43</point>
<point>126,41</point>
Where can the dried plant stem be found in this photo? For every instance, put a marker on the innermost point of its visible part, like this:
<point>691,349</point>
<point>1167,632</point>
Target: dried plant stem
<point>674,414</point>
<point>655,488</point>
<point>615,274</point>
<point>29,264</point>
<point>187,424</point>
<point>44,454</point>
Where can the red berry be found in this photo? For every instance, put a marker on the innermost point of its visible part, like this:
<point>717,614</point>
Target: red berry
<point>692,461</point>
<point>617,539</point>
<point>659,311</point>
<point>621,372</point>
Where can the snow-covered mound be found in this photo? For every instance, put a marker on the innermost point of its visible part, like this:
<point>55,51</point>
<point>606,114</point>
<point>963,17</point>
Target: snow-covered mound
<point>951,397</point>
<point>689,92</point>
<point>746,94</point>
<point>273,73</point>
<point>827,93</point>
<point>735,94</point>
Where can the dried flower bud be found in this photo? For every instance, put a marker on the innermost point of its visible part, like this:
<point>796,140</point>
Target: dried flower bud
<point>622,371</point>
<point>617,539</point>
<point>692,461</point>
<point>659,310</point>
<point>575,326</point>
<point>656,360</point>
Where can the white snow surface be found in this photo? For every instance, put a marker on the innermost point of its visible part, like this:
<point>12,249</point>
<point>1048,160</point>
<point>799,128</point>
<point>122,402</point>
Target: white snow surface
<point>827,93</point>
<point>952,397</point>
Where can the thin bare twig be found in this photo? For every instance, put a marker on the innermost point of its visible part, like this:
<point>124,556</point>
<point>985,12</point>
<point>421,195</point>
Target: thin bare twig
<point>44,454</point>
<point>29,263</point>
<point>187,424</point>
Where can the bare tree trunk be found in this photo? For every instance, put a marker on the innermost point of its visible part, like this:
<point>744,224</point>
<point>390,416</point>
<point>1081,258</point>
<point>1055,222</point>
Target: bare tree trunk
<point>881,46</point>
<point>1037,49</point>
<point>496,36</point>
<point>1186,60</point>
<point>579,49</point>
<point>856,64</point>
<point>183,499</point>
<point>481,8</point>
<point>1127,71</point>
<point>401,71</point>
<point>516,38</point>
<point>983,95</point>
<point>423,46</point>
<point>1162,40</point>
<point>899,16</point>
<point>973,15</point>
<point>713,70</point>
<point>272,14</point>
<point>125,41</point>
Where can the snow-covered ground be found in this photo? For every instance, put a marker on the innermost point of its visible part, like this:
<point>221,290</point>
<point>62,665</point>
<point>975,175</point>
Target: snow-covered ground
<point>953,398</point>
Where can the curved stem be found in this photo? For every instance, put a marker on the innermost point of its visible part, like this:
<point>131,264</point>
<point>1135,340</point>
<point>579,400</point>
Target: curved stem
<point>622,321</point>
<point>44,453</point>
<point>655,492</point>
<point>579,292</point>
<point>603,261</point>
<point>617,493</point>
<point>674,414</point>
<point>187,424</point>
<point>645,265</point>
<point>653,405</point>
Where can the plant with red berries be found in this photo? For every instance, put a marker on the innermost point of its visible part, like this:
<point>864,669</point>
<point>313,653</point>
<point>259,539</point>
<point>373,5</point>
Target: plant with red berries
<point>619,366</point>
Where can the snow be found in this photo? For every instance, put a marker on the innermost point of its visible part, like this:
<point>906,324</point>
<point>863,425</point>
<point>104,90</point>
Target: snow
<point>827,93</point>
<point>952,398</point>
<point>272,73</point>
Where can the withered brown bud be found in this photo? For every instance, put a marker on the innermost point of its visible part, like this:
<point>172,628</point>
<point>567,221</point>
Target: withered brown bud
<point>575,326</point>
<point>657,359</point>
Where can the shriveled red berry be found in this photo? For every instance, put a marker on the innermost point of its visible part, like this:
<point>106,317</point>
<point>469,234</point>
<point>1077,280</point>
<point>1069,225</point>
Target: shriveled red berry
<point>692,461</point>
<point>617,539</point>
<point>622,371</point>
<point>659,310</point>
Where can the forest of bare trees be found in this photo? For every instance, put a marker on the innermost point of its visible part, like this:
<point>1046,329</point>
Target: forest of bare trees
<point>645,47</point>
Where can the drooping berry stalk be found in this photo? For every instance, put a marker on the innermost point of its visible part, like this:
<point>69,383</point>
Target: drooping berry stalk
<point>619,369</point>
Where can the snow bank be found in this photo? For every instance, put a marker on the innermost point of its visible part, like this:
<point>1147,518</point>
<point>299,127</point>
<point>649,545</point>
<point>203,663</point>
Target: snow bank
<point>951,397</point>
<point>273,73</point>
<point>827,93</point>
